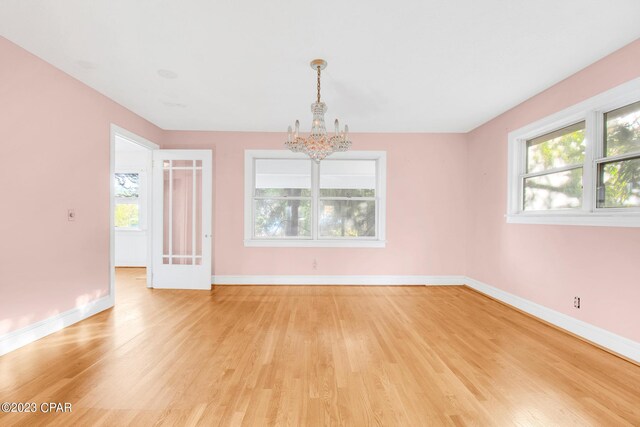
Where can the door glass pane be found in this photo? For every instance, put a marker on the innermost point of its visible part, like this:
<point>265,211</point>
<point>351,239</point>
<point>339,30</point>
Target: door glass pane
<point>619,184</point>
<point>622,130</point>
<point>166,210</point>
<point>348,178</point>
<point>198,229</point>
<point>347,218</point>
<point>560,148</point>
<point>561,190</point>
<point>282,218</point>
<point>283,178</point>
<point>182,163</point>
<point>182,212</point>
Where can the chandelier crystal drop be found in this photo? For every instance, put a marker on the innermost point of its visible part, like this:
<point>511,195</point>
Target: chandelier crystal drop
<point>318,144</point>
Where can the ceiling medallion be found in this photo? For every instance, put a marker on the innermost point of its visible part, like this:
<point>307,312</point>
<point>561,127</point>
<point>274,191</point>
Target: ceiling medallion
<point>318,144</point>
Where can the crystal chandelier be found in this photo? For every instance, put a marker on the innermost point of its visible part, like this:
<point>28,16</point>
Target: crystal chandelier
<point>318,144</point>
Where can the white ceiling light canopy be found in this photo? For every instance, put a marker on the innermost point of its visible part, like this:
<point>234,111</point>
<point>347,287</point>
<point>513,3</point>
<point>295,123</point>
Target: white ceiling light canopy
<point>318,144</point>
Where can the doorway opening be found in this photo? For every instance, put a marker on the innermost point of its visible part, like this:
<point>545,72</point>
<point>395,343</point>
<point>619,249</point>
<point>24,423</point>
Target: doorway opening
<point>131,207</point>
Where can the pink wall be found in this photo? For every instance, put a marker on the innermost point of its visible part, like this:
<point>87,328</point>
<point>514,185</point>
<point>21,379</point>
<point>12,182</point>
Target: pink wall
<point>552,264</point>
<point>445,208</point>
<point>55,150</point>
<point>54,133</point>
<point>426,186</point>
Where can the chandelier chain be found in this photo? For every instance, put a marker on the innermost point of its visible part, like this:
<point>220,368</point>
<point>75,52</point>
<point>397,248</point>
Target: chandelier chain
<point>318,84</point>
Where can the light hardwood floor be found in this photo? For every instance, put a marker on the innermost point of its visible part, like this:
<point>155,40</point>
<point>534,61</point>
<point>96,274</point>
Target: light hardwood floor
<point>317,355</point>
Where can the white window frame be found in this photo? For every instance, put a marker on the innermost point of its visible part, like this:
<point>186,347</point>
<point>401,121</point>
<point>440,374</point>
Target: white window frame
<point>141,200</point>
<point>592,113</point>
<point>378,241</point>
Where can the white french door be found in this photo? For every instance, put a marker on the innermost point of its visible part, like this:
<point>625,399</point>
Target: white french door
<point>182,219</point>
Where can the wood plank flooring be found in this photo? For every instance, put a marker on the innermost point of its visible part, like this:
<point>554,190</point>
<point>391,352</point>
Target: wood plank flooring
<point>316,355</point>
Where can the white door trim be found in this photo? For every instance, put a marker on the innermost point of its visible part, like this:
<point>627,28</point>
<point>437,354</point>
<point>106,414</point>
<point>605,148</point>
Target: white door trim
<point>143,142</point>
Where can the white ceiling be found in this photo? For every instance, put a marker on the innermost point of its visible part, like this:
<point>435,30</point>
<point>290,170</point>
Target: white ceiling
<point>394,66</point>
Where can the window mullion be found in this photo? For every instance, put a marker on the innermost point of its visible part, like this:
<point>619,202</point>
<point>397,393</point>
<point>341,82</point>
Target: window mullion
<point>593,142</point>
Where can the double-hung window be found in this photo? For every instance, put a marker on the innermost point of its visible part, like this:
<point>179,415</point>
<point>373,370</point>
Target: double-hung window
<point>580,166</point>
<point>291,200</point>
<point>128,211</point>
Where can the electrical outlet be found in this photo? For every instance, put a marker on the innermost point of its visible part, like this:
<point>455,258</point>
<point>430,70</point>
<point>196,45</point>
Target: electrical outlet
<point>315,264</point>
<point>576,302</point>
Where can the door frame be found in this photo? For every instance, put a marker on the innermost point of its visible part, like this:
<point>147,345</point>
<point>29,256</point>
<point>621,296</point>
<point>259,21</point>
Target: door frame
<point>116,130</point>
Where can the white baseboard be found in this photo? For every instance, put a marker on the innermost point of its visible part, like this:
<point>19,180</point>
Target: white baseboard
<point>21,337</point>
<point>620,345</point>
<point>338,280</point>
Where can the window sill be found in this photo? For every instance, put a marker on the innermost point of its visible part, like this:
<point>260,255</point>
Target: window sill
<point>303,243</point>
<point>594,219</point>
<point>129,230</point>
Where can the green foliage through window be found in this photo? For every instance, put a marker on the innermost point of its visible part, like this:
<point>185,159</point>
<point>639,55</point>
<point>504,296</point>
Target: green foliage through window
<point>127,215</point>
<point>559,149</point>
<point>619,181</point>
<point>622,130</point>
<point>619,184</point>
<point>347,218</point>
<point>283,217</point>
